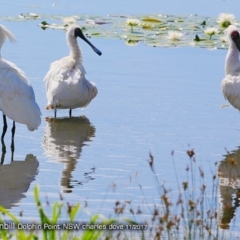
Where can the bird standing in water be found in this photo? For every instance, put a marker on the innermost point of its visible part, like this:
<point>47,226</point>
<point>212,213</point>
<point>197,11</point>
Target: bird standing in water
<point>231,83</point>
<point>66,85</point>
<point>17,99</point>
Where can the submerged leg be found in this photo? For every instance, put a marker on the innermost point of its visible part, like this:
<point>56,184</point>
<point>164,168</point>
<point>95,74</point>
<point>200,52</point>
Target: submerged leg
<point>3,151</point>
<point>13,129</point>
<point>70,112</point>
<point>4,126</point>
<point>55,113</point>
<point>12,149</point>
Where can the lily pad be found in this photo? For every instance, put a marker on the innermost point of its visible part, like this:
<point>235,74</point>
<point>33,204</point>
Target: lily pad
<point>151,19</point>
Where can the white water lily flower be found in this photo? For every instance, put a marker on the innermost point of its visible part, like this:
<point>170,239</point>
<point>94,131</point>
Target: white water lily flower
<point>33,15</point>
<point>211,31</point>
<point>68,20</point>
<point>174,35</point>
<point>132,22</point>
<point>226,19</point>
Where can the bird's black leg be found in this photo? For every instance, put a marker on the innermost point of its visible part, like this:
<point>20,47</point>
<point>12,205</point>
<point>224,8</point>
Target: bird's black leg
<point>12,149</point>
<point>70,112</point>
<point>55,113</point>
<point>3,151</point>
<point>12,143</point>
<point>4,126</point>
<point>13,129</point>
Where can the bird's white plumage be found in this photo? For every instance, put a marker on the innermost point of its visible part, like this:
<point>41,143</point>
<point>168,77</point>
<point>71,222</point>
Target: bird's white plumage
<point>231,83</point>
<point>17,99</point>
<point>231,90</point>
<point>66,84</point>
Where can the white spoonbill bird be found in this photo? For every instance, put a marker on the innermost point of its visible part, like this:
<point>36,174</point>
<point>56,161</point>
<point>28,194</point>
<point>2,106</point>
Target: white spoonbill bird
<point>66,85</point>
<point>231,83</point>
<point>17,99</point>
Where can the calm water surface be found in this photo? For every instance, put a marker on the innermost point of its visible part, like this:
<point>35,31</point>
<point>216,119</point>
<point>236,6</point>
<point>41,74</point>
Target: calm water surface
<point>154,100</point>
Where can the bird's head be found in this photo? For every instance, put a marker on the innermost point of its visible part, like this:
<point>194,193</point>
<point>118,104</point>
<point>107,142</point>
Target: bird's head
<point>233,36</point>
<point>75,31</point>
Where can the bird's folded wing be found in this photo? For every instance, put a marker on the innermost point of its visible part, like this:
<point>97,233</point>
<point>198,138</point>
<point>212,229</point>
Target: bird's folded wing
<point>13,82</point>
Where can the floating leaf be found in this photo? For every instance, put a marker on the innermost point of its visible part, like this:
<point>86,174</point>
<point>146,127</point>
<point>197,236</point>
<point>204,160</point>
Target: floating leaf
<point>101,23</point>
<point>147,26</point>
<point>151,19</point>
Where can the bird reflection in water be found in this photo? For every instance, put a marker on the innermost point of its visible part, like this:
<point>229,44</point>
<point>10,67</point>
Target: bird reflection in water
<point>15,179</point>
<point>229,187</point>
<point>63,142</point>
<point>4,150</point>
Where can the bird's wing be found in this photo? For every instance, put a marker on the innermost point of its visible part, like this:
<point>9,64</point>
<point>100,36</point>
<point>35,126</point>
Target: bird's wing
<point>231,89</point>
<point>14,81</point>
<point>65,70</point>
<point>17,99</point>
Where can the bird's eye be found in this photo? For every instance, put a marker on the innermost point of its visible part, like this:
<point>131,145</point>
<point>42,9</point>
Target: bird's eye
<point>235,35</point>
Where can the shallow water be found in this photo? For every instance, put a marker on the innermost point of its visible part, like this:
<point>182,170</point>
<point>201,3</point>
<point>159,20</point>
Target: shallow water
<point>154,100</point>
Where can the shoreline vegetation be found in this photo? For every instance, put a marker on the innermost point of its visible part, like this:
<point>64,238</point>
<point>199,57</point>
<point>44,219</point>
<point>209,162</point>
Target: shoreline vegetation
<point>193,215</point>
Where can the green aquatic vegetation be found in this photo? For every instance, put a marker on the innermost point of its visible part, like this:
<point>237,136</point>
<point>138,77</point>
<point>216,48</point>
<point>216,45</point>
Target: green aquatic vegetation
<point>115,26</point>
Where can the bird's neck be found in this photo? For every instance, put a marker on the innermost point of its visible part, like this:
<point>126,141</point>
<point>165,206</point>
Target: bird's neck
<point>2,40</point>
<point>232,62</point>
<point>75,51</point>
